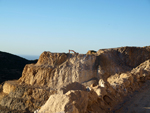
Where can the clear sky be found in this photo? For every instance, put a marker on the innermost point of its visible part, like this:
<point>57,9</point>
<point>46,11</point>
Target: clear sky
<point>29,27</point>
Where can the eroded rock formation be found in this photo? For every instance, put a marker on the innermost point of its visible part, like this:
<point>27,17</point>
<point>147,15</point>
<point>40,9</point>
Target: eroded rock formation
<point>56,69</point>
<point>101,98</point>
<point>78,83</point>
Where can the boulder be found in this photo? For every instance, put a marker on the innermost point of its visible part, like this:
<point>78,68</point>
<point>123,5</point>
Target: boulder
<point>71,102</point>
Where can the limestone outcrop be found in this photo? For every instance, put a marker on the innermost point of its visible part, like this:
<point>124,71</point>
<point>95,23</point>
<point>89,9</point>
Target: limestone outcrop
<point>120,60</point>
<point>72,101</point>
<point>101,98</point>
<point>56,69</point>
<point>78,83</point>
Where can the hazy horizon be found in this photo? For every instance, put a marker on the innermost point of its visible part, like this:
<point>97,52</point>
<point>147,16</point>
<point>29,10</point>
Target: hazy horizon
<point>30,27</point>
<point>29,57</point>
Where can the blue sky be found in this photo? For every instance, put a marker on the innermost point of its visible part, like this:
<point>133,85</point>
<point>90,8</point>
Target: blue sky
<point>29,27</point>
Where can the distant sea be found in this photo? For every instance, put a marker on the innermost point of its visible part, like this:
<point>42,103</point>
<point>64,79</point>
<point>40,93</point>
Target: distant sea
<point>29,57</point>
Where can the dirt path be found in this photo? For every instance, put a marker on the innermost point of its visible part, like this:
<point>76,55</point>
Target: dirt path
<point>139,103</point>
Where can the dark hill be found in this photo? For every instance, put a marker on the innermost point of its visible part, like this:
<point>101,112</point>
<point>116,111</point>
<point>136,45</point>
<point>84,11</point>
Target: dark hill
<point>11,66</point>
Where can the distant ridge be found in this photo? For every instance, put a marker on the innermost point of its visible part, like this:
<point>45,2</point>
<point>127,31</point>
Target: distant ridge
<point>11,66</point>
<point>29,57</point>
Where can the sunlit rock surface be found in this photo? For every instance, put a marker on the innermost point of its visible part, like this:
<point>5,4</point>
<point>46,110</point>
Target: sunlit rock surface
<point>78,83</point>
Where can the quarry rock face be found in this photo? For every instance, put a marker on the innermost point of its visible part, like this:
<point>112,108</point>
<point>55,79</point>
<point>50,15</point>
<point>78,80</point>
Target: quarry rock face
<point>78,83</point>
<point>120,60</point>
<point>57,69</point>
<point>101,98</point>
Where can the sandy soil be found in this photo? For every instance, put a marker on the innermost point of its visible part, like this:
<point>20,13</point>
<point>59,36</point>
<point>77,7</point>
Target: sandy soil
<point>139,103</point>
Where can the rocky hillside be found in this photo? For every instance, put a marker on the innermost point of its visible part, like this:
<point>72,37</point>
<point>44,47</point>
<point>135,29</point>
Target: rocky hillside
<point>11,66</point>
<point>78,83</point>
<point>56,69</point>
